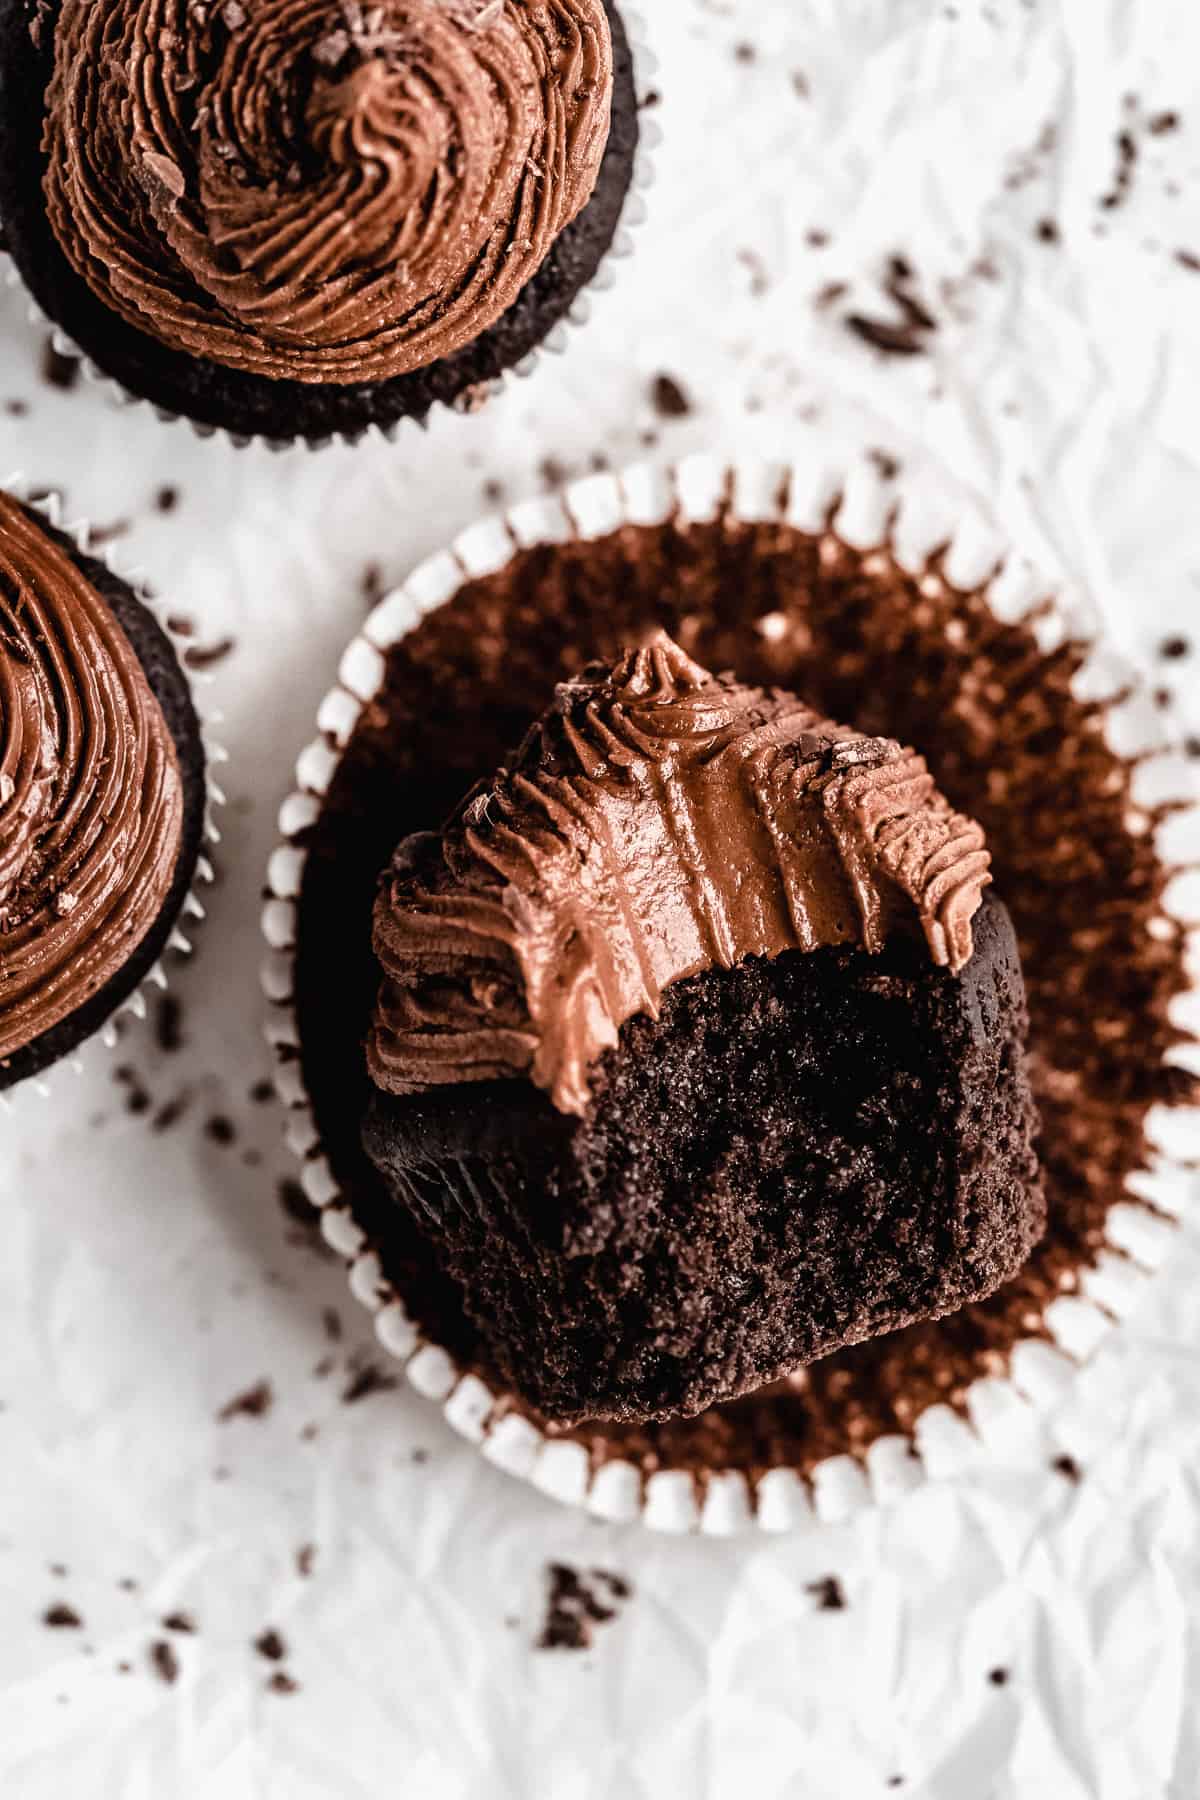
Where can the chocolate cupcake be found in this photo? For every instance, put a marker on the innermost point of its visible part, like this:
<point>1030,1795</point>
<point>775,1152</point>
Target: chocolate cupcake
<point>302,221</point>
<point>102,793</point>
<point>694,1055</point>
<point>884,604</point>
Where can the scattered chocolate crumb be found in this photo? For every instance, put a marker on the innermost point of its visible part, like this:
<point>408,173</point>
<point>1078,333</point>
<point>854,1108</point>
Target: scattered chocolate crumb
<point>167,498</point>
<point>1127,156</point>
<point>61,1617</point>
<point>1047,231</point>
<point>255,1403</point>
<point>124,1668</point>
<point>369,1379</point>
<point>895,1781</point>
<point>800,83</point>
<point>309,1432</point>
<point>306,1555</point>
<point>16,409</point>
<point>1163,698</point>
<point>1173,648</point>
<point>816,239</point>
<point>828,1593</point>
<point>181,625</point>
<point>269,1643</point>
<point>907,337</point>
<point>59,1570</point>
<point>99,535</point>
<point>164,1661</point>
<point>1067,1466</point>
<point>670,398</point>
<point>206,656</point>
<point>651,97</point>
<point>1191,746</point>
<point>171,1111</point>
<point>373,586</point>
<point>331,1321</point>
<point>493,492</point>
<point>576,1603</point>
<point>829,295</point>
<point>283,1683</point>
<point>1160,124</point>
<point>745,53</point>
<point>756,268</point>
<point>262,1092</point>
<point>128,1585</point>
<point>1188,259</point>
<point>168,1024</point>
<point>323,1368</point>
<point>887,464</point>
<point>137,1096</point>
<point>998,1677</point>
<point>179,1621</point>
<point>58,370</point>
<point>420,1456</point>
<point>220,1130</point>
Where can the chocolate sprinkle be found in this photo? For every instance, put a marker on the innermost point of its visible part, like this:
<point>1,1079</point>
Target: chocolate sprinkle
<point>576,1603</point>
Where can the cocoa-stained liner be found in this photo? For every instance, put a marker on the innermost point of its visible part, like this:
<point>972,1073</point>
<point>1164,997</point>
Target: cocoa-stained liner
<point>556,341</point>
<point>191,910</point>
<point>944,544</point>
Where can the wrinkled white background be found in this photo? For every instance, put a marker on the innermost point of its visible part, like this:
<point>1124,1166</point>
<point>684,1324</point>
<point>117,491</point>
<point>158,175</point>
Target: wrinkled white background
<point>145,1279</point>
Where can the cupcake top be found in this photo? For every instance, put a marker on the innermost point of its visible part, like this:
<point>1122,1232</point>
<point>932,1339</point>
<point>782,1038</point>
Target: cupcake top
<point>330,191</point>
<point>657,822</point>
<point>91,797</point>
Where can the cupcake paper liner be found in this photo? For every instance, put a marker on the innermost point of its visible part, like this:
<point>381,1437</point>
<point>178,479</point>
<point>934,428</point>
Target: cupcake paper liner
<point>945,541</point>
<point>555,343</point>
<point>192,911</point>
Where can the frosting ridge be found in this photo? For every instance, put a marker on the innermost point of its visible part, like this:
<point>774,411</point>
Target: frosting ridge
<point>330,191</point>
<point>91,797</point>
<point>656,822</point>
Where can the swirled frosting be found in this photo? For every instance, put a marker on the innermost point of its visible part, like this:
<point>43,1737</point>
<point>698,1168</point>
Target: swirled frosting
<point>91,799</point>
<point>658,821</point>
<point>325,190</point>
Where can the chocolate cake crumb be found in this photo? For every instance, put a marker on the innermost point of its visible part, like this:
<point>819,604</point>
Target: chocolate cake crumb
<point>255,1403</point>
<point>207,656</point>
<point>887,464</point>
<point>1173,648</point>
<point>331,1322</point>
<point>137,1095</point>
<point>1067,1467</point>
<point>164,1661</point>
<point>59,370</point>
<point>828,1593</point>
<point>998,1677</point>
<point>59,1570</point>
<point>1048,232</point>
<point>745,53</point>
<point>553,474</point>
<point>1188,259</point>
<point>181,1622</point>
<point>493,492</point>
<point>366,1380</point>
<point>1127,156</point>
<point>269,1643</point>
<point>16,409</point>
<point>1160,124</point>
<point>124,1668</point>
<point>61,1617</point>
<point>166,499</point>
<point>306,1556</point>
<point>168,1024</point>
<point>128,1585</point>
<point>372,585</point>
<point>282,1683</point>
<point>671,399</point>
<point>576,1603</point>
<point>263,1092</point>
<point>171,1112</point>
<point>180,625</point>
<point>420,1457</point>
<point>219,1129</point>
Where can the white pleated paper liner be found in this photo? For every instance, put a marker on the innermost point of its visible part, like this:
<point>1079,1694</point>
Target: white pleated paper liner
<point>555,343</point>
<point>191,911</point>
<point>945,542</point>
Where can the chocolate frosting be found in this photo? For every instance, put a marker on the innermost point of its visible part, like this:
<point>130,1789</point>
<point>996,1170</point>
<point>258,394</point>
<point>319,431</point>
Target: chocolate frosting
<point>330,191</point>
<point>91,798</point>
<point>659,821</point>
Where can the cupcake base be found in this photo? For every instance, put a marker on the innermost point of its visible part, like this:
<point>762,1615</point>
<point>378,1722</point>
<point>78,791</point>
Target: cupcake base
<point>249,406</point>
<point>808,580</point>
<point>171,688</point>
<point>795,1155</point>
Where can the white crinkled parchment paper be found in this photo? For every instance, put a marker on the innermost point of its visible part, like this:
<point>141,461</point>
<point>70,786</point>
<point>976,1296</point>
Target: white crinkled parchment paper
<point>1008,1634</point>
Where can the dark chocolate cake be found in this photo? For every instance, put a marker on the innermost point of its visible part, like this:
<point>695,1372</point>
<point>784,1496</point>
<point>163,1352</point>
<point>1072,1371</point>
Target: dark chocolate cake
<point>268,125</point>
<point>659,1067</point>
<point>906,655</point>
<point>102,793</point>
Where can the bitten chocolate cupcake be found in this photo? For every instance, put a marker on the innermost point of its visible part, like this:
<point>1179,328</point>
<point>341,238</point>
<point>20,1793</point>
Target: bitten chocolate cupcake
<point>882,603</point>
<point>102,793</point>
<point>698,1053</point>
<point>302,218</point>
